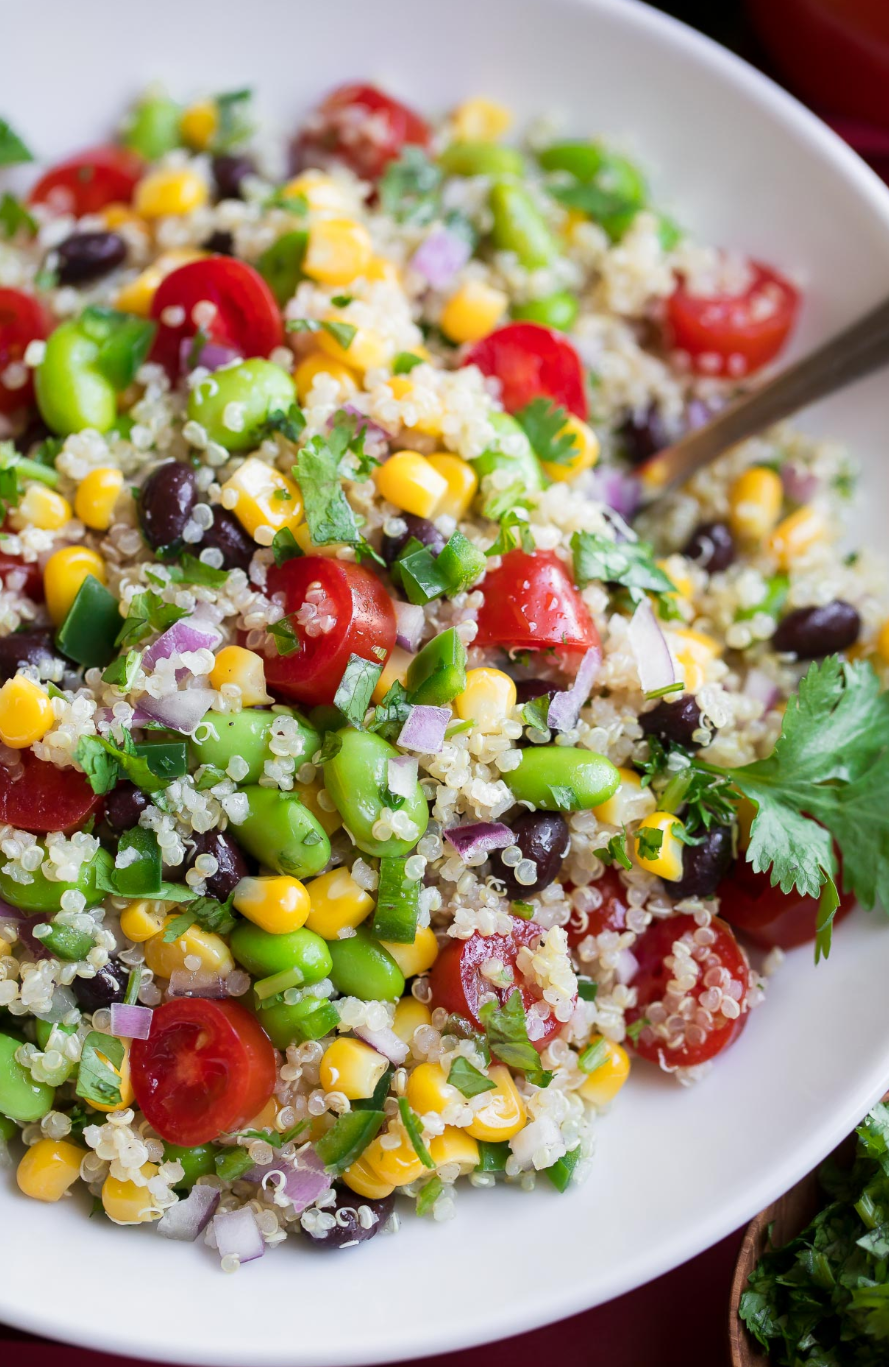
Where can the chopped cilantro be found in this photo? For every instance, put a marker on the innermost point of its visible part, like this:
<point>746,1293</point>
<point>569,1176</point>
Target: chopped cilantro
<point>234,122</point>
<point>536,711</point>
<point>514,532</point>
<point>13,151</point>
<point>391,714</point>
<point>404,362</point>
<point>342,333</point>
<point>285,637</point>
<point>341,301</point>
<point>103,763</point>
<point>649,842</point>
<point>98,1074</point>
<point>205,912</point>
<point>352,697</point>
<point>545,426</point>
<point>14,217</point>
<point>468,1079</point>
<point>506,1032</point>
<point>147,613</point>
<point>191,570</point>
<point>318,473</point>
<point>284,546</point>
<point>289,423</point>
<point>408,188</point>
<point>563,796</point>
<point>615,852</point>
<point>627,563</point>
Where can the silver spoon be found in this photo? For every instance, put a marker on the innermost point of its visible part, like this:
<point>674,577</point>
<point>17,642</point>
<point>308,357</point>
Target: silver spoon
<point>850,355</point>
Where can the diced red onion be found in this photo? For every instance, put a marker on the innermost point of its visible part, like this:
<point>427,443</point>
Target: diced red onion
<point>181,711</point>
<point>409,619</point>
<point>372,430</point>
<point>424,730</point>
<point>131,1022</point>
<point>616,489</point>
<point>306,1181</point>
<point>760,687</point>
<point>627,966</point>
<point>385,1041</point>
<point>191,1216</point>
<point>800,484</point>
<point>564,708</point>
<point>440,256</point>
<point>478,837</point>
<point>190,633</point>
<point>237,1233</point>
<point>402,775</point>
<point>650,650</point>
<point>210,355</point>
<point>183,983</point>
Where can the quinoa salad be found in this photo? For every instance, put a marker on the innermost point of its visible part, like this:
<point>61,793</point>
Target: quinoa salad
<point>380,777</point>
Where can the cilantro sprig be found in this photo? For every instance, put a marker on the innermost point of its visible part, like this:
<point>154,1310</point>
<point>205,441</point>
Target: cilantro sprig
<point>506,1032</point>
<point>546,427</point>
<point>629,564</point>
<point>13,151</point>
<point>320,467</point>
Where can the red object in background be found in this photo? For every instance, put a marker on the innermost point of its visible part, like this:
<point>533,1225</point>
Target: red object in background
<point>734,334</point>
<point>85,183</point>
<point>22,320</point>
<point>766,915</point>
<point>361,126</point>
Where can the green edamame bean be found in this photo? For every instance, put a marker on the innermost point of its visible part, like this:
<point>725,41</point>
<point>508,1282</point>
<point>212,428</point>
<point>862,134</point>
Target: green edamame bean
<point>153,128</point>
<point>197,1162</point>
<point>363,968</point>
<point>264,954</point>
<point>557,310</point>
<point>46,896</point>
<point>72,393</point>
<point>43,1031</point>
<point>481,159</point>
<point>356,779</point>
<point>511,450</point>
<point>312,1018</point>
<point>21,1098</point>
<point>576,156</point>
<point>563,777</point>
<point>222,735</point>
<point>258,387</point>
<point>518,225</point>
<point>281,264</point>
<point>8,1129</point>
<point>281,833</point>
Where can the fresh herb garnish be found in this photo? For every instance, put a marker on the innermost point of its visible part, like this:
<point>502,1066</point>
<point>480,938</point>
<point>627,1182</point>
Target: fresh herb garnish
<point>535,712</point>
<point>615,852</point>
<point>468,1079</point>
<point>353,694</point>
<point>649,842</point>
<point>205,912</point>
<point>318,472</point>
<point>98,1075</point>
<point>147,613</point>
<point>408,188</point>
<point>14,217</point>
<point>342,333</point>
<point>404,362</point>
<point>234,124</point>
<point>545,426</point>
<point>628,563</point>
<point>284,635</point>
<point>635,1028</point>
<point>506,1032</point>
<point>191,570</point>
<point>284,546</point>
<point>514,532</point>
<point>13,151</point>
<point>123,670</point>
<point>391,714</point>
<point>414,1133</point>
<point>289,423</point>
<point>563,796</point>
<point>104,763</point>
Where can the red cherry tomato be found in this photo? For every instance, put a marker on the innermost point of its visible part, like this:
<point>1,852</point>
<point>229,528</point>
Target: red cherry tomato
<point>247,317</point>
<point>207,1067</point>
<point>84,184</point>
<point>32,586</point>
<point>707,1029</point>
<point>361,126</point>
<point>22,319</point>
<point>40,798</point>
<point>459,985</point>
<point>733,334</point>
<point>610,915</point>
<point>529,361</point>
<point>531,604</point>
<point>362,622</point>
<point>768,916</point>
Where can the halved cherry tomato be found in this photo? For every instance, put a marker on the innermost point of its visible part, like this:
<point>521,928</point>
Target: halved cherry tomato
<point>531,604</point>
<point>530,360</point>
<point>22,320</point>
<point>361,126</point>
<point>85,183</point>
<point>247,317</point>
<point>459,985</point>
<point>768,916</point>
<point>39,797</point>
<point>354,616</point>
<point>734,334</point>
<point>706,1030</point>
<point>207,1067</point>
<point>610,915</point>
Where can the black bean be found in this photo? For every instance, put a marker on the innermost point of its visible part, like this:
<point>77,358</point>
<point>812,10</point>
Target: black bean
<point>165,503</point>
<point>109,985</point>
<point>711,546</point>
<point>542,837</point>
<point>32,647</point>
<point>673,721</point>
<point>229,170</point>
<point>227,853</point>
<point>124,805</point>
<point>650,432</point>
<point>220,242</point>
<point>228,536</point>
<point>32,435</point>
<point>529,689</point>
<point>83,257</point>
<point>348,1229</point>
<point>703,866</point>
<point>810,633</point>
<point>418,527</point>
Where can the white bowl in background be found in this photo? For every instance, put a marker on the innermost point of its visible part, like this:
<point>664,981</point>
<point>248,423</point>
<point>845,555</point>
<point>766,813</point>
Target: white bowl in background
<point>676,1170</point>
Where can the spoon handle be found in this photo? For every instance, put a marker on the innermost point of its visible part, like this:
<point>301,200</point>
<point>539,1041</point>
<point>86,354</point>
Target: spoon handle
<point>850,355</point>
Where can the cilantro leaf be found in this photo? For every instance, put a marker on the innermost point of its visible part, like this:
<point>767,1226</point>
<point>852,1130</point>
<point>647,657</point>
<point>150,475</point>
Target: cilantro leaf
<point>191,570</point>
<point>14,216</point>
<point>234,122</point>
<point>317,472</point>
<point>285,637</point>
<point>205,912</point>
<point>506,1032</point>
<point>545,426</point>
<point>12,150</point>
<point>615,852</point>
<point>408,188</point>
<point>404,362</point>
<point>98,1074</point>
<point>290,424</point>
<point>103,762</point>
<point>628,563</point>
<point>147,613</point>
<point>342,333</point>
<point>391,714</point>
<point>284,546</point>
<point>648,842</point>
<point>354,690</point>
<point>468,1079</point>
<point>514,532</point>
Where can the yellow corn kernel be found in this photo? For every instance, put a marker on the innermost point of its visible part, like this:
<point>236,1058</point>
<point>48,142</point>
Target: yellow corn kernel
<point>40,507</point>
<point>667,863</point>
<point>338,250</point>
<point>586,452</point>
<point>628,802</point>
<point>137,296</point>
<point>120,215</point>
<point>362,1178</point>
<point>143,920</point>
<point>63,574</point>
<point>380,268</point>
<point>604,1084</point>
<point>170,191</point>
<point>303,538</point>
<point>797,534</point>
<point>394,670</point>
<point>455,1147</point>
<point>262,499</point>
<point>411,483</point>
<point>400,1165</point>
<point>401,388</point>
<point>127,1204</point>
<point>409,1016</point>
<point>316,363</point>
<point>97,493</point>
<point>49,1168</point>
<point>489,696</point>
<point>428,1089</point>
<point>694,651</point>
<point>473,312</point>
<point>237,665</point>
<point>198,124</point>
<point>573,219</point>
<point>366,351</point>
<point>276,903</point>
<point>212,951</point>
<point>25,712</point>
<point>503,1113</point>
<point>321,192</point>
<point>124,1083</point>
<point>883,642</point>
<point>755,500</point>
<point>310,796</point>
<point>336,902</point>
<point>417,957</point>
<point>675,567</point>
<point>462,482</point>
<point>352,1067</point>
<point>481,120</point>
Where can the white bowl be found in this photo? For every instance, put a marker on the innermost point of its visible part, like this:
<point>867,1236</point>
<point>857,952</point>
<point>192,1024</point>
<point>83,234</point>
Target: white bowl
<point>676,1170</point>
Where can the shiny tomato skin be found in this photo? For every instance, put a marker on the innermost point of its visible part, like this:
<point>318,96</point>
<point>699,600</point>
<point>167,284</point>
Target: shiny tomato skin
<point>247,316</point>
<point>531,361</point>
<point>767,916</point>
<point>364,624</point>
<point>87,182</point>
<point>22,320</point>
<point>207,1067</point>
<point>33,585</point>
<point>733,335</point>
<point>360,126</point>
<point>44,798</point>
<point>650,980</point>
<point>459,986</point>
<point>532,604</point>
<point>610,915</point>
